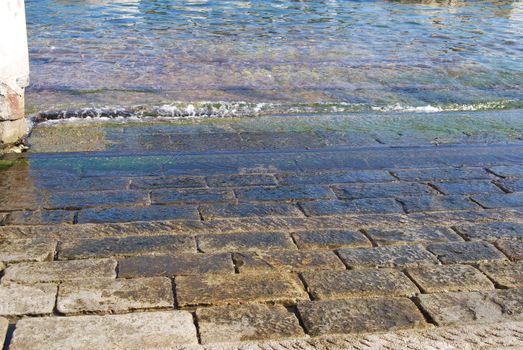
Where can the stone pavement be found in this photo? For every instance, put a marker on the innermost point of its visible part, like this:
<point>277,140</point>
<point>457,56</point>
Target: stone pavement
<point>304,248</point>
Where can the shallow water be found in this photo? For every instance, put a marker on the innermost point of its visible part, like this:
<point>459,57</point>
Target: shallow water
<point>276,56</point>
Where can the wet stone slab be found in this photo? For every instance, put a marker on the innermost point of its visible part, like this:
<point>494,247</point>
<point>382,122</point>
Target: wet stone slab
<point>491,306</point>
<point>74,200</point>
<point>358,283</point>
<point>507,170</point>
<point>491,231</point>
<point>223,211</point>
<point>149,213</point>
<point>18,299</point>
<point>359,315</point>
<point>381,190</point>
<point>137,331</point>
<point>412,235</point>
<point>505,275</point>
<point>336,177</point>
<point>126,246</point>
<point>436,203</point>
<point>512,249</point>
<point>40,249</point>
<point>500,201</point>
<point>239,323</point>
<point>56,271</point>
<point>467,187</point>
<point>167,182</point>
<point>287,260</point>
<point>241,180</point>
<point>511,185</point>
<point>449,278</point>
<point>406,255</point>
<point>330,239</point>
<point>238,242</point>
<point>364,205</point>
<point>114,296</point>
<point>239,288</point>
<point>465,252</point>
<point>192,196</point>
<point>284,193</point>
<point>442,174</point>
<point>175,265</point>
<point>61,184</point>
<point>40,217</point>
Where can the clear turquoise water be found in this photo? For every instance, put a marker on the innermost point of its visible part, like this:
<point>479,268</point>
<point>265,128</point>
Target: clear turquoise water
<point>301,56</point>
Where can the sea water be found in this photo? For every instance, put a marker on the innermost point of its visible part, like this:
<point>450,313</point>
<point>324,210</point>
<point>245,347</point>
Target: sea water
<point>235,57</point>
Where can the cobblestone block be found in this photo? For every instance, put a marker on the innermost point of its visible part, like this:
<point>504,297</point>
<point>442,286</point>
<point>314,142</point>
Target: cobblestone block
<point>40,217</point>
<point>210,212</point>
<point>56,271</point>
<point>175,265</point>
<point>168,182</point>
<point>508,170</point>
<point>359,315</point>
<point>194,195</point>
<point>358,283</point>
<point>442,174</point>
<point>283,193</point>
<point>76,200</point>
<point>512,185</point>
<point>512,249</point>
<point>457,308</point>
<point>17,299</point>
<point>239,288</point>
<point>407,255</point>
<point>330,239</point>
<point>412,234</point>
<point>467,187</point>
<point>507,200</point>
<point>336,177</point>
<point>436,203</point>
<point>287,260</point>
<point>491,231</point>
<point>114,296</point>
<point>136,331</point>
<point>505,275</point>
<point>449,278</point>
<point>465,252</point>
<point>39,249</point>
<point>381,190</point>
<point>149,213</point>
<point>126,246</point>
<point>357,206</point>
<point>238,242</point>
<point>241,180</point>
<point>238,323</point>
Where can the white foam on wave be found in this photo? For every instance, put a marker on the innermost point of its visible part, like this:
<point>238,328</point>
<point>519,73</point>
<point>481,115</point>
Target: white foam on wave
<point>197,110</point>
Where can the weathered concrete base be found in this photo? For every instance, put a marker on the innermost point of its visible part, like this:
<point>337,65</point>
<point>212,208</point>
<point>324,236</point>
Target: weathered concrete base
<point>12,131</point>
<point>14,72</point>
<point>11,103</point>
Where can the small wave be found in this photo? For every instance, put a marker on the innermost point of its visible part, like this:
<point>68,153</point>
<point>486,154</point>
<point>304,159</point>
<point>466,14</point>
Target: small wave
<point>181,110</point>
<point>453,107</point>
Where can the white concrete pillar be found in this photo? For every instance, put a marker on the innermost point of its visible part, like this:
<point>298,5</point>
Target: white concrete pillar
<point>14,71</point>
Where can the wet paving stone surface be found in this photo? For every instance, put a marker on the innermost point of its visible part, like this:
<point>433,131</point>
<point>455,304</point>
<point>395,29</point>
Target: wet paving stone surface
<point>267,242</point>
